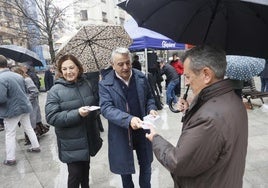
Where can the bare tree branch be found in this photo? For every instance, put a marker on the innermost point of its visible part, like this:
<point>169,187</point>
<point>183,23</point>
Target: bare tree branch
<point>41,18</point>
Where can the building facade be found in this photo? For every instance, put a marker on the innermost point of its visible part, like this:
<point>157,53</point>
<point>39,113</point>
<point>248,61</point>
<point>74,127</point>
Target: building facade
<point>85,12</point>
<point>12,30</point>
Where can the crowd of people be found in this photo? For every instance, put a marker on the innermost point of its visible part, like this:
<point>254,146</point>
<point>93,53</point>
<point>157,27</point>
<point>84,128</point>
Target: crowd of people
<point>210,151</point>
<point>19,107</point>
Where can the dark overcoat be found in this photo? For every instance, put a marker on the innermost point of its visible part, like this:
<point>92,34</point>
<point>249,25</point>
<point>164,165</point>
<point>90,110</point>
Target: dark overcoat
<point>114,108</point>
<point>75,134</point>
<point>211,151</point>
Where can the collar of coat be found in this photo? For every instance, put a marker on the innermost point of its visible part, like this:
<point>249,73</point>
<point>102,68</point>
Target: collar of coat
<point>109,78</point>
<point>216,89</point>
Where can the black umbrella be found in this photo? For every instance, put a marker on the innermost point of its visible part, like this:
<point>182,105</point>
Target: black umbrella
<point>238,27</point>
<point>20,54</point>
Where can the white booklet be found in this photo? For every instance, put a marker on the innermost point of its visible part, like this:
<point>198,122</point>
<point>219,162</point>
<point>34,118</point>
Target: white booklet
<point>92,108</point>
<point>147,125</point>
<point>150,120</point>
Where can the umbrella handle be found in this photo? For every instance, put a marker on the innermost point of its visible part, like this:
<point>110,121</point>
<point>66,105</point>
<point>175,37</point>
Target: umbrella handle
<point>172,109</point>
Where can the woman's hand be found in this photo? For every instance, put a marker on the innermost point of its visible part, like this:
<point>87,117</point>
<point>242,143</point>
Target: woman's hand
<point>83,111</point>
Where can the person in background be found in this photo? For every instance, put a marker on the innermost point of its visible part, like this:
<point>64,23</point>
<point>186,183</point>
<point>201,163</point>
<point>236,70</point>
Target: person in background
<point>154,69</point>
<point>41,128</point>
<point>75,125</point>
<point>159,79</point>
<point>212,148</point>
<point>31,72</point>
<point>32,93</point>
<point>15,107</point>
<point>178,66</point>
<point>49,77</point>
<point>172,79</point>
<point>136,63</point>
<point>125,98</point>
<point>264,78</point>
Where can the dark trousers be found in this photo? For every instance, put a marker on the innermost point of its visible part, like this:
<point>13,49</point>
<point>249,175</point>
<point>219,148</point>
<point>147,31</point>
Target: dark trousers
<point>145,167</point>
<point>78,174</point>
<point>178,88</point>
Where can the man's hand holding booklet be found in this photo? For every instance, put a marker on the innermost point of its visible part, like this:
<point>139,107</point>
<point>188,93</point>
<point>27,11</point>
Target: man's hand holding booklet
<point>150,120</point>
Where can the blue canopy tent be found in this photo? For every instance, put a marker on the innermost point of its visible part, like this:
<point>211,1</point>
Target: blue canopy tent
<point>147,39</point>
<point>144,39</point>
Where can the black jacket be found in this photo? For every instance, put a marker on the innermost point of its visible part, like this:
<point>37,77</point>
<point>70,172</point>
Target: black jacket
<point>74,133</point>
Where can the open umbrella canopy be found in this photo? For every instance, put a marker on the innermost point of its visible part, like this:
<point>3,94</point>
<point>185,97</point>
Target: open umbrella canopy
<point>243,67</point>
<point>238,27</point>
<point>20,54</point>
<point>93,45</point>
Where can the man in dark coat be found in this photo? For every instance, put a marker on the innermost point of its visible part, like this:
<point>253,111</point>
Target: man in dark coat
<point>211,151</point>
<point>125,98</point>
<point>136,63</point>
<point>49,77</point>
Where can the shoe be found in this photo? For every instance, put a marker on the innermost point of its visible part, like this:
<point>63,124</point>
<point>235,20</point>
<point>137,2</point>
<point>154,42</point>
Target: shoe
<point>27,143</point>
<point>33,150</point>
<point>2,127</point>
<point>10,162</point>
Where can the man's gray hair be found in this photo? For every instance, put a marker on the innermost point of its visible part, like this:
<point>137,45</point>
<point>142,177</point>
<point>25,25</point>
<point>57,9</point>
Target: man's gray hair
<point>207,56</point>
<point>3,61</point>
<point>120,50</point>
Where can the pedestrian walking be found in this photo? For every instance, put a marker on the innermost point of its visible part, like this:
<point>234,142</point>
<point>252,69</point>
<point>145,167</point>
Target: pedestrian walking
<point>15,107</point>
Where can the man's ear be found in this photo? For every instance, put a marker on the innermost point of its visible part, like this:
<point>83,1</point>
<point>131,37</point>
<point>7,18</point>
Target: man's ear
<point>208,75</point>
<point>112,64</point>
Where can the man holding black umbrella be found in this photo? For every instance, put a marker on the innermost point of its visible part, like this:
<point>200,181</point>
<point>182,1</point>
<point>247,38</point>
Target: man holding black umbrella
<point>211,151</point>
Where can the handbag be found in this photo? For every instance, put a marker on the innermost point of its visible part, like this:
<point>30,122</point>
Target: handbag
<point>96,141</point>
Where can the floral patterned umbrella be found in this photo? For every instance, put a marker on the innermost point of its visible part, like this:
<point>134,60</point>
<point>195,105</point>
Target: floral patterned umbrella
<point>93,45</point>
<point>243,67</point>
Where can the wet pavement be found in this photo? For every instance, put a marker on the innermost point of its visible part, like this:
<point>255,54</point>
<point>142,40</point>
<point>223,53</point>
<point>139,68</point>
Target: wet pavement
<point>37,170</point>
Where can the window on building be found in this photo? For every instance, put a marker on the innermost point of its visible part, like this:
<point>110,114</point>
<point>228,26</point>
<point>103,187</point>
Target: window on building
<point>103,1</point>
<point>83,14</point>
<point>104,17</point>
